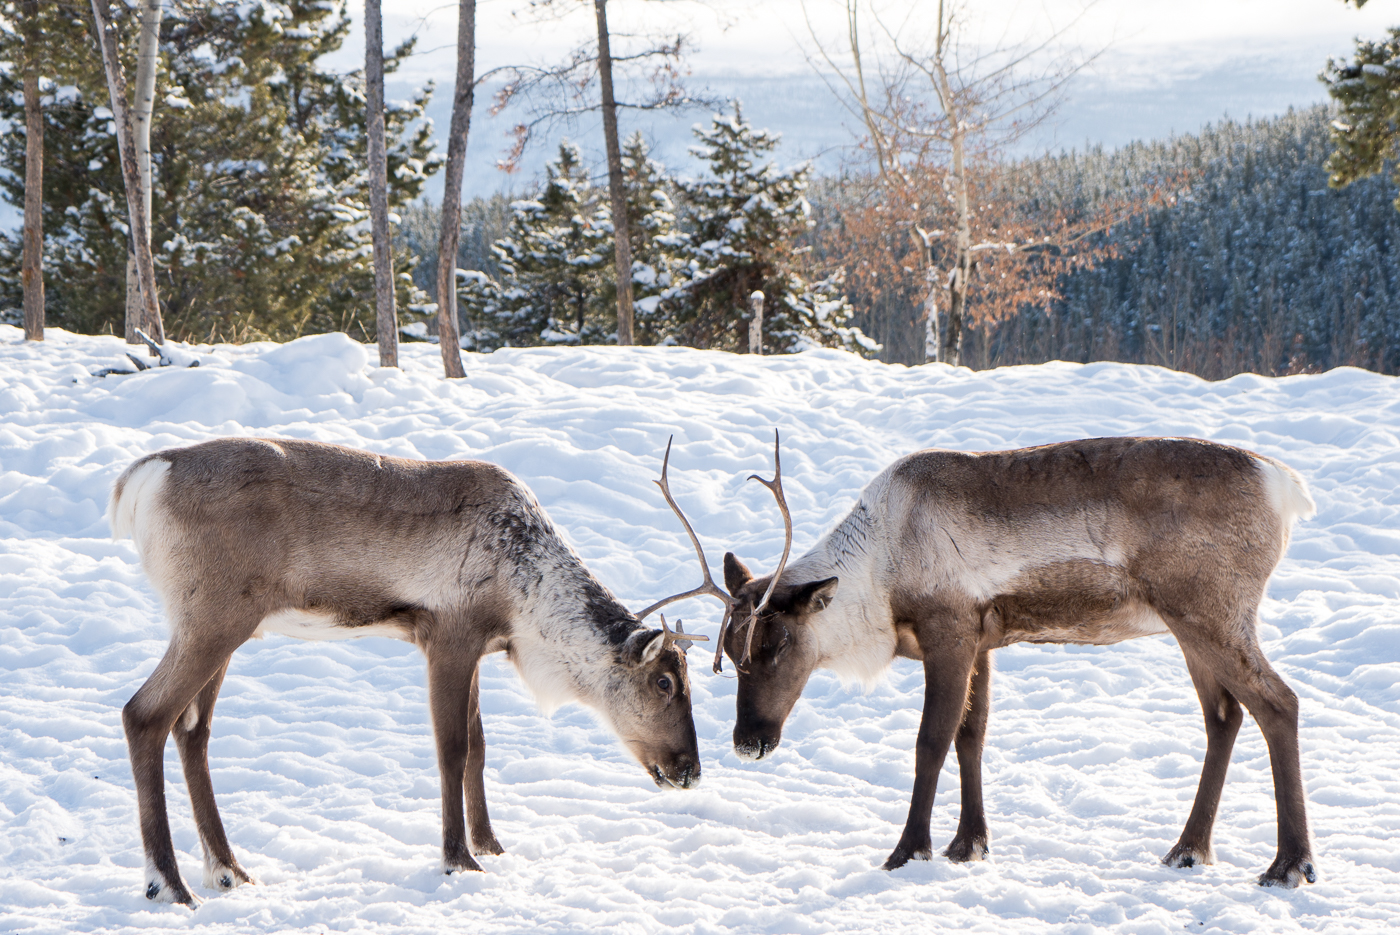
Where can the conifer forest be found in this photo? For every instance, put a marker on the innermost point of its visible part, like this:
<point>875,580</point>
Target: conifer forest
<point>1217,252</point>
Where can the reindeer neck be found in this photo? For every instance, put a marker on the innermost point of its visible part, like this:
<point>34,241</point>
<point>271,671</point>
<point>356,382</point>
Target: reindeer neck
<point>855,633</point>
<point>566,626</point>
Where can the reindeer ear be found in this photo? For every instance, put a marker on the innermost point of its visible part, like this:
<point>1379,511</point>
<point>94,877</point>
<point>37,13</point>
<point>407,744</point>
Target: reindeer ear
<point>814,595</point>
<point>642,647</point>
<point>736,573</point>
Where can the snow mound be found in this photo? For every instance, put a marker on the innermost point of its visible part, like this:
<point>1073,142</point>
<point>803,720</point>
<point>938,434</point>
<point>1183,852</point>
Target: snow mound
<point>322,753</point>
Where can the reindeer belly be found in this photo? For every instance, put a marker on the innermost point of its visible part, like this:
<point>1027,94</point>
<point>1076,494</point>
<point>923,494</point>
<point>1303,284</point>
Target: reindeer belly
<point>318,625</point>
<point>1071,602</point>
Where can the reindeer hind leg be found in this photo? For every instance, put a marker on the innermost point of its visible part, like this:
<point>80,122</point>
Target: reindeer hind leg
<point>1233,660</point>
<point>221,869</point>
<point>1222,718</point>
<point>147,720</point>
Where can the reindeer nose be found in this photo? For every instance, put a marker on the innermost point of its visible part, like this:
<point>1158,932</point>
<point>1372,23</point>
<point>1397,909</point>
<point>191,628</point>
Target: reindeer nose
<point>755,748</point>
<point>687,773</point>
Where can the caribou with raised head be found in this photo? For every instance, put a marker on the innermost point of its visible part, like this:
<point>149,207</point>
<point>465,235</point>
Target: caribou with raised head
<point>242,537</point>
<point>949,555</point>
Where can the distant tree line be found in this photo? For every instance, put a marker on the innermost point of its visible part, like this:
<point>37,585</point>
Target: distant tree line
<point>1242,259</point>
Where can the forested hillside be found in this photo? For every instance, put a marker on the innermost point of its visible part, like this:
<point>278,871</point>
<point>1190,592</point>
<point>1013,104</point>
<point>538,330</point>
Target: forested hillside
<point>1248,262</point>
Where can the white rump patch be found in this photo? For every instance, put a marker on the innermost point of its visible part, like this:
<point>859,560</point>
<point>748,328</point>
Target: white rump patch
<point>1288,492</point>
<point>130,512</point>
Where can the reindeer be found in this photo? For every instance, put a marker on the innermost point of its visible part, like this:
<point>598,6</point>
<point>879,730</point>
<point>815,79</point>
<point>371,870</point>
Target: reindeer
<point>950,555</point>
<point>243,537</point>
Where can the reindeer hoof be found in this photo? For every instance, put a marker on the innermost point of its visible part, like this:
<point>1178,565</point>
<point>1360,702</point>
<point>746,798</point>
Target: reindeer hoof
<point>159,891</point>
<point>903,853</point>
<point>488,845</point>
<point>1183,855</point>
<point>459,863</point>
<point>1289,872</point>
<point>225,877</point>
<point>964,850</point>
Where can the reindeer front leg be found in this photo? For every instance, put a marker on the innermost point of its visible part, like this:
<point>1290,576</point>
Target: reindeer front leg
<point>452,665</point>
<point>970,843</point>
<point>948,667</point>
<point>483,838</point>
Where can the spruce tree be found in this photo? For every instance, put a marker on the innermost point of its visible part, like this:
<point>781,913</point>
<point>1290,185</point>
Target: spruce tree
<point>746,221</point>
<point>1365,134</point>
<point>260,191</point>
<point>659,266</point>
<point>553,267</point>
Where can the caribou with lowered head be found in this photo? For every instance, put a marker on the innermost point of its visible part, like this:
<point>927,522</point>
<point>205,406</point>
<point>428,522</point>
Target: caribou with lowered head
<point>949,555</point>
<point>244,536</point>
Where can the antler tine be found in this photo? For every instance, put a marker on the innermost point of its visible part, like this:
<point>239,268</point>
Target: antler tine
<point>680,636</point>
<point>775,486</point>
<point>707,586</point>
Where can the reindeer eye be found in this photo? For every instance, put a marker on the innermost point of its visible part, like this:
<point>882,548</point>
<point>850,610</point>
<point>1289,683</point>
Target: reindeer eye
<point>664,683</point>
<point>782,645</point>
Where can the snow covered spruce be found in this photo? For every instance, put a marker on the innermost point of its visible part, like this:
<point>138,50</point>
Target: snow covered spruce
<point>948,555</point>
<point>242,537</point>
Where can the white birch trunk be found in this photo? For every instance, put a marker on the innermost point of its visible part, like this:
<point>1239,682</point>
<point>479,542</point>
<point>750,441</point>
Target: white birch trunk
<point>140,237</point>
<point>32,267</point>
<point>385,315</point>
<point>622,240</point>
<point>452,190</point>
<point>143,108</point>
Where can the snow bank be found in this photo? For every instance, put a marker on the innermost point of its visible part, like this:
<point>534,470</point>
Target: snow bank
<point>322,755</point>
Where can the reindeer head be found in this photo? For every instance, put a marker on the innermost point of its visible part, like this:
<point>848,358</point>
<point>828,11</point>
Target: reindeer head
<point>765,614</point>
<point>774,651</point>
<point>649,704</point>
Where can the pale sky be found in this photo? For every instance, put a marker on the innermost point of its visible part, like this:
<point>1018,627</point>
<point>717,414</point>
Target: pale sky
<point>1165,66</point>
<point>766,38</point>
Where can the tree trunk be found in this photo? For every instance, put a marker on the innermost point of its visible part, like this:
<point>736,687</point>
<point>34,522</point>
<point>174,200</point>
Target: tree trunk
<point>616,188</point>
<point>139,236</point>
<point>951,350</point>
<point>147,59</point>
<point>452,190</point>
<point>385,319</point>
<point>32,269</point>
<point>962,269</point>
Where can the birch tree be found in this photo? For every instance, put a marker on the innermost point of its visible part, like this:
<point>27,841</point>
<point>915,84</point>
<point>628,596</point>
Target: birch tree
<point>934,109</point>
<point>385,318</point>
<point>617,192</point>
<point>32,273</point>
<point>138,232</point>
<point>143,108</point>
<point>452,190</point>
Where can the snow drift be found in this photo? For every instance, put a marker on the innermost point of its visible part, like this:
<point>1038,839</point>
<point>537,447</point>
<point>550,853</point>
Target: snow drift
<point>322,755</point>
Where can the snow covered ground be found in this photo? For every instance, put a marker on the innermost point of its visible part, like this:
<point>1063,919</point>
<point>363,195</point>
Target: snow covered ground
<point>322,756</point>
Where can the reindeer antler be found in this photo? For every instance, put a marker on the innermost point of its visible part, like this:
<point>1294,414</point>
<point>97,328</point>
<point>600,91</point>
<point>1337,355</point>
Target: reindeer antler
<point>775,486</point>
<point>680,637</point>
<point>707,586</point>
